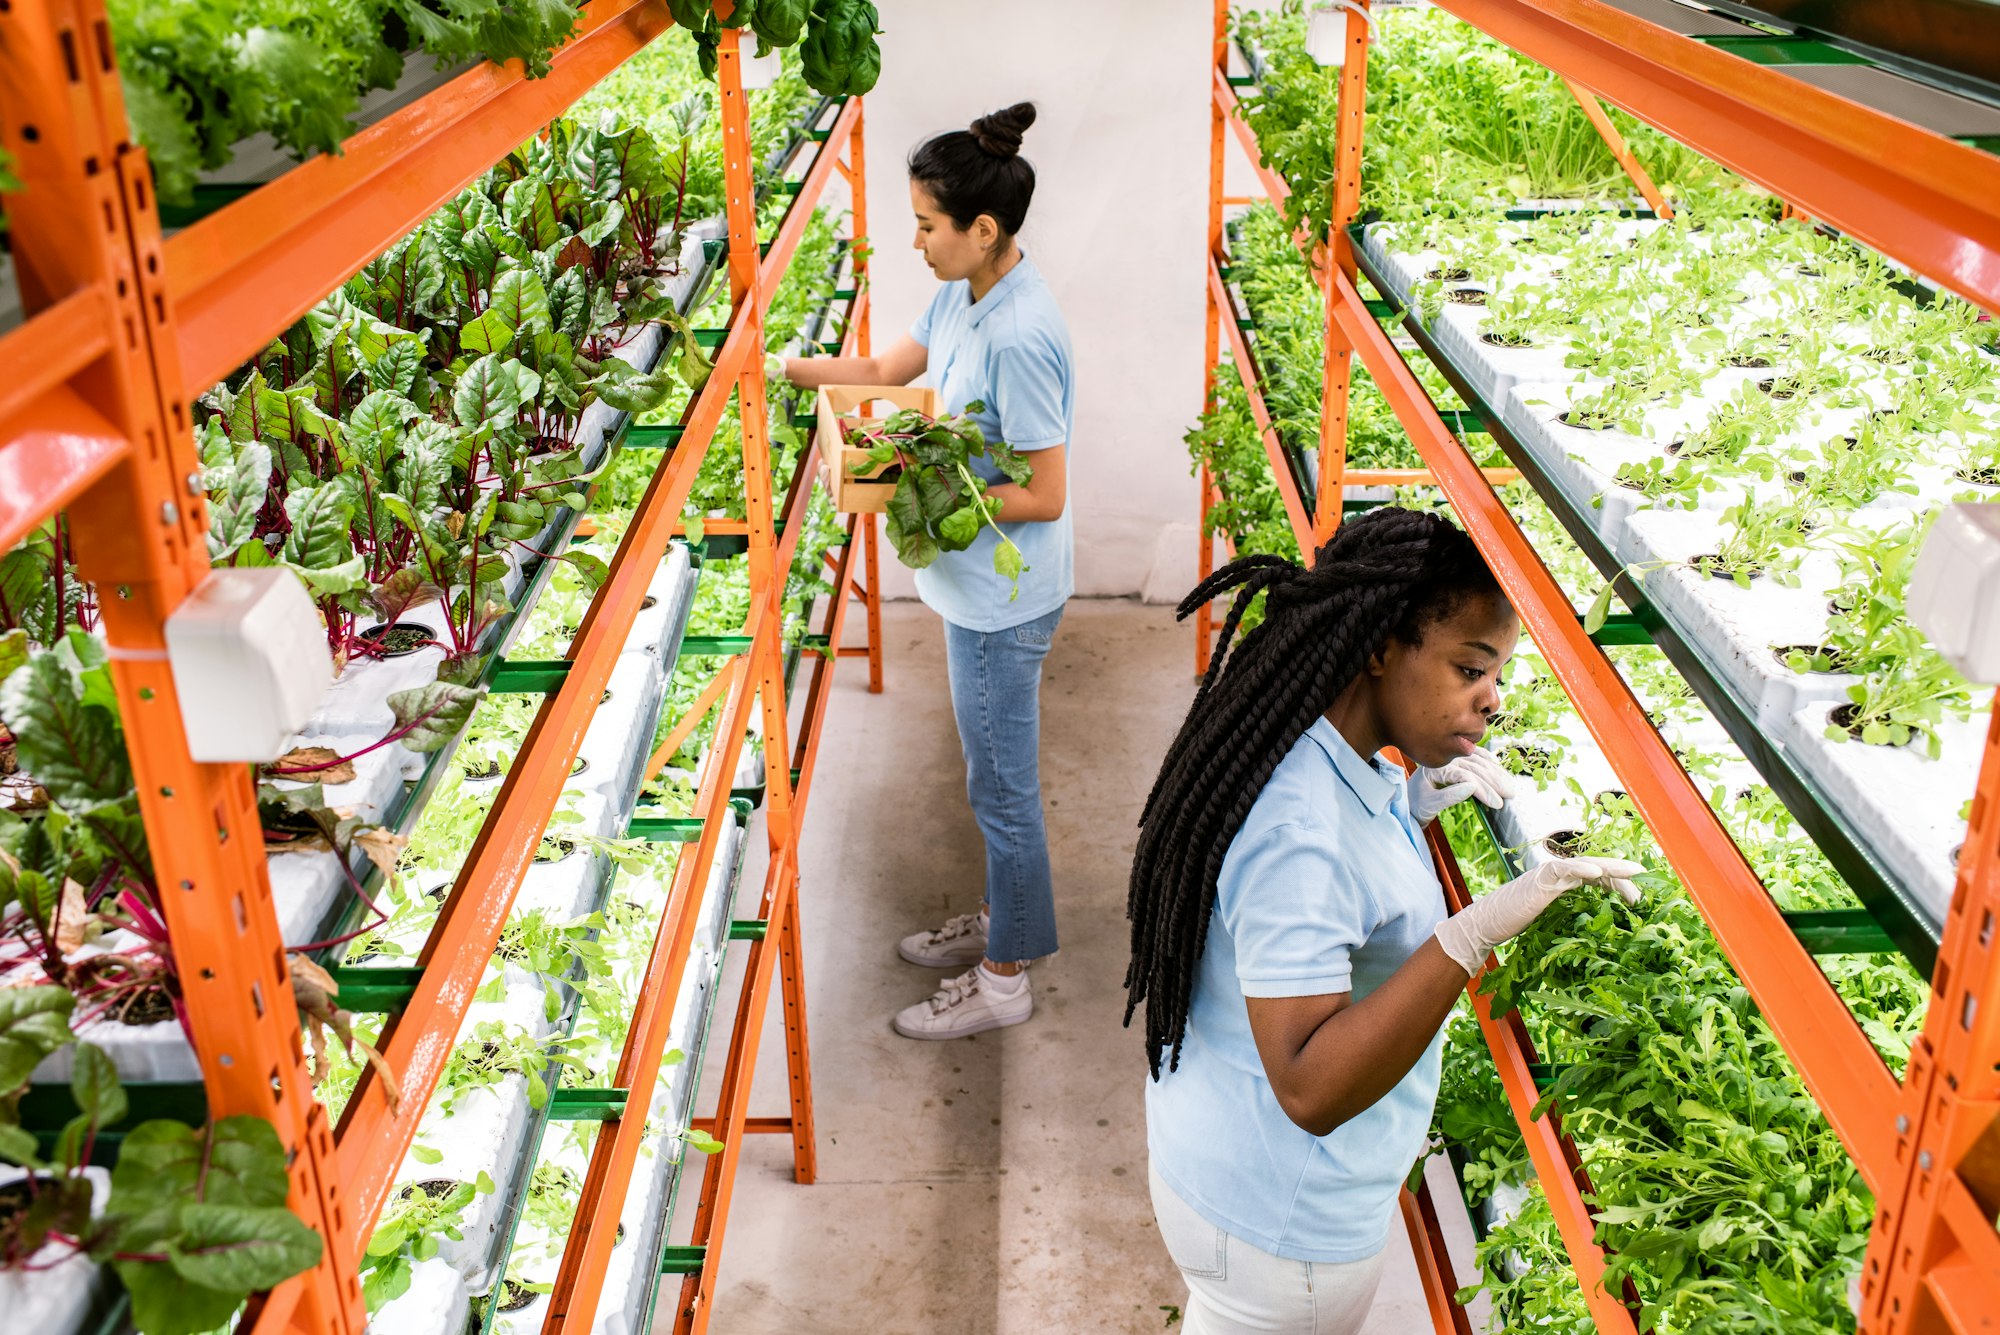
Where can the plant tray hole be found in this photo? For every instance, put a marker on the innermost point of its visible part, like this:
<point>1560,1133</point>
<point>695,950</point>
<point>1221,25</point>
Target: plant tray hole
<point>1448,275</point>
<point>1465,296</point>
<point>1568,419</point>
<point>482,773</point>
<point>398,639</point>
<point>1564,843</point>
<point>1843,716</point>
<point>649,604</point>
<point>1517,341</point>
<point>1777,389</point>
<point>1783,653</point>
<point>514,1297</point>
<point>555,850</point>
<point>1979,477</point>
<point>435,1188</point>
<point>1712,565</point>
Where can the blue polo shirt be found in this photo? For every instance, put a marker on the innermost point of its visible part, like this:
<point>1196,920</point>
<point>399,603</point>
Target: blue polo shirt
<point>1326,888</point>
<point>1009,351</point>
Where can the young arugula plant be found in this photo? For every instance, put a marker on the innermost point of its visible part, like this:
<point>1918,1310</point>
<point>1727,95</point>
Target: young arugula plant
<point>410,1232</point>
<point>940,503</point>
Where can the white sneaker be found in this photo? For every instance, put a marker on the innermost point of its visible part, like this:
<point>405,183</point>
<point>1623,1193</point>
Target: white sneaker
<point>966,1005</point>
<point>958,943</point>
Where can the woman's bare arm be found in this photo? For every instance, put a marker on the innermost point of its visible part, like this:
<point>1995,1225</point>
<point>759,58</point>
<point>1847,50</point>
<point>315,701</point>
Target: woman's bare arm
<point>1330,1058</point>
<point>1042,500</point>
<point>902,362</point>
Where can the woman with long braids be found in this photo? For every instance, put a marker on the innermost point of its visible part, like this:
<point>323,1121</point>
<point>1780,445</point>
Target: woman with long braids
<point>1289,936</point>
<point>992,339</point>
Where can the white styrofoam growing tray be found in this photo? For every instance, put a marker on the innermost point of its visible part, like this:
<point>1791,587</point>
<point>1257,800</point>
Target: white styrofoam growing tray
<point>1736,628</point>
<point>660,625</point>
<point>621,731</point>
<point>436,1303</point>
<point>60,1298</point>
<point>1904,803</point>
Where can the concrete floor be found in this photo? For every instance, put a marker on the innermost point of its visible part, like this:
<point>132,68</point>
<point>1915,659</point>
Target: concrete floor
<point>994,1185</point>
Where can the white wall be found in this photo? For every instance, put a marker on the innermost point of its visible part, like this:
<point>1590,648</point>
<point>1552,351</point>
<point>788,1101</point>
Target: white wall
<point>1121,155</point>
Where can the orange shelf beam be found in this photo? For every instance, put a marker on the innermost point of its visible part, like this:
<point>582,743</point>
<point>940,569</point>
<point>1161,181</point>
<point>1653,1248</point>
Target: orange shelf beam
<point>1835,1059</point>
<point>372,1141</point>
<point>242,275</point>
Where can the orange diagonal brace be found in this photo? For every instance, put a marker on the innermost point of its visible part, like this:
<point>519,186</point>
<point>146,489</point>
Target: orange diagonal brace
<point>1619,148</point>
<point>373,1139</point>
<point>1835,1059</point>
<point>1551,1151</point>
<point>779,255</point>
<point>684,729</point>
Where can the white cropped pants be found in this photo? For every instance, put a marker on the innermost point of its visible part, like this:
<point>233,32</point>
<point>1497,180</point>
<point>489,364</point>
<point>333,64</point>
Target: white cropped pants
<point>1235,1288</point>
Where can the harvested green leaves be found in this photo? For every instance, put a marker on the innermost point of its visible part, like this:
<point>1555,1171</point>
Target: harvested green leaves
<point>940,503</point>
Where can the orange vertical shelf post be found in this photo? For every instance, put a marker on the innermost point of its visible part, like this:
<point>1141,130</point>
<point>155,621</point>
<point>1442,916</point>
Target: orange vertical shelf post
<point>1337,368</point>
<point>86,243</point>
<point>1933,1263</point>
<point>1204,618</point>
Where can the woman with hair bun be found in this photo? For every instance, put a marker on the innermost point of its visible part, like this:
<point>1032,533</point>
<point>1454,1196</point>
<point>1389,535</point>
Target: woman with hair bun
<point>994,336</point>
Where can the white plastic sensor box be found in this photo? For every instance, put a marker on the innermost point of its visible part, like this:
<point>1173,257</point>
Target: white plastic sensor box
<point>250,663</point>
<point>1326,31</point>
<point>1954,595</point>
<point>760,71</point>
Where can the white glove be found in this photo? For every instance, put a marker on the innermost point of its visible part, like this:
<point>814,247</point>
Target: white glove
<point>1470,935</point>
<point>1478,775</point>
<point>774,367</point>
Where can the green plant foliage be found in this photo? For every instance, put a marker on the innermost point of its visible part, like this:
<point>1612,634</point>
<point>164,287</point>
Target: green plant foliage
<point>201,76</point>
<point>940,504</point>
<point>196,1219</point>
<point>840,55</point>
<point>1456,123</point>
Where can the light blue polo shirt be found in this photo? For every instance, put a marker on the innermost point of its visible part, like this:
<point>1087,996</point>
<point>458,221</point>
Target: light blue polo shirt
<point>1010,351</point>
<point>1326,888</point>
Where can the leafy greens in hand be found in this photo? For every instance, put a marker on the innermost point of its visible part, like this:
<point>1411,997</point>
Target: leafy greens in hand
<point>939,502</point>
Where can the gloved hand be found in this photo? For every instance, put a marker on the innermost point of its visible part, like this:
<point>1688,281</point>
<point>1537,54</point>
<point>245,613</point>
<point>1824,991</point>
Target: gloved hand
<point>1478,775</point>
<point>1470,935</point>
<point>774,368</point>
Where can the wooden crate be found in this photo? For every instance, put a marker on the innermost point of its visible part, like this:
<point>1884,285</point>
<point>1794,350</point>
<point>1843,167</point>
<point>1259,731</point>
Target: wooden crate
<point>839,411</point>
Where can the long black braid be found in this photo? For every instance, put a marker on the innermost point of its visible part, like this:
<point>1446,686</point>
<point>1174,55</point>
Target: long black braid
<point>1389,572</point>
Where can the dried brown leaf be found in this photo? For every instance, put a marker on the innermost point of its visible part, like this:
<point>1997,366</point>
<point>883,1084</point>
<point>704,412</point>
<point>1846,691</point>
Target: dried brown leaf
<point>383,847</point>
<point>310,758</point>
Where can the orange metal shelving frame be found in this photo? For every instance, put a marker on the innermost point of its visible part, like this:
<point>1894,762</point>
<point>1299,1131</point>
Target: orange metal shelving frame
<point>1930,1147</point>
<point>123,329</point>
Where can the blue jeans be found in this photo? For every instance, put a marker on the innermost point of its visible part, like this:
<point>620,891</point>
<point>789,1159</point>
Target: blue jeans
<point>996,685</point>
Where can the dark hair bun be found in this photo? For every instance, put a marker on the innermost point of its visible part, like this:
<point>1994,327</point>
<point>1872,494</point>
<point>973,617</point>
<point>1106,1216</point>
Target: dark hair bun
<point>1000,133</point>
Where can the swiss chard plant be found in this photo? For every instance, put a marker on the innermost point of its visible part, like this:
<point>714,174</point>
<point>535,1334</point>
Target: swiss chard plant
<point>195,1221</point>
<point>940,502</point>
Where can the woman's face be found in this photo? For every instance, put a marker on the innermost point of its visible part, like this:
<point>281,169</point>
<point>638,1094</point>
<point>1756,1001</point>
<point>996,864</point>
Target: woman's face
<point>1434,699</point>
<point>952,252</point>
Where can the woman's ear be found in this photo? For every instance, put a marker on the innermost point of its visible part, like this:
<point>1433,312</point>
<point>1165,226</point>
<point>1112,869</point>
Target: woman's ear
<point>986,231</point>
